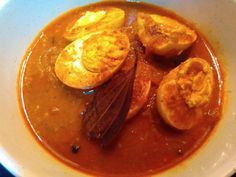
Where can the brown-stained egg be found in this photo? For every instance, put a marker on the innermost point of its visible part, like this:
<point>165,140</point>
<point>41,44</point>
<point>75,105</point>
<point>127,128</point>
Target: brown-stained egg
<point>164,36</point>
<point>141,89</point>
<point>94,21</point>
<point>184,92</point>
<point>93,59</point>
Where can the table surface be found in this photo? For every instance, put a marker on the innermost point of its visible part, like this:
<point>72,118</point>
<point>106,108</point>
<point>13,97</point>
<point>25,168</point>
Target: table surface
<point>5,173</point>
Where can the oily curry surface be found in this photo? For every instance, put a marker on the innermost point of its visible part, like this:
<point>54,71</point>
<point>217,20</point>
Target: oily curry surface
<point>146,144</point>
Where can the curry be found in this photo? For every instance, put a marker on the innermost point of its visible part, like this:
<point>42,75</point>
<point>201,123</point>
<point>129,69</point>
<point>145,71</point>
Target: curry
<point>75,62</point>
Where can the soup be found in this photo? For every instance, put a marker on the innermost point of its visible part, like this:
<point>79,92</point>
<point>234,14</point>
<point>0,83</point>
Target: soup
<point>146,143</point>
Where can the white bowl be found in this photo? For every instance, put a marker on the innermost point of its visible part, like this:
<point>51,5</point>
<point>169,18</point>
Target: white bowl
<point>20,22</point>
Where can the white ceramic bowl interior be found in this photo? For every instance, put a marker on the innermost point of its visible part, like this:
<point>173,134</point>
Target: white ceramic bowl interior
<point>20,22</point>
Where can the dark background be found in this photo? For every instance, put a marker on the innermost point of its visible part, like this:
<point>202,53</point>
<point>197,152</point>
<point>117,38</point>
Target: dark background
<point>5,173</point>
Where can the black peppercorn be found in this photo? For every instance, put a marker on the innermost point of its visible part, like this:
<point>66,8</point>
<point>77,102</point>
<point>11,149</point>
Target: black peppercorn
<point>75,149</point>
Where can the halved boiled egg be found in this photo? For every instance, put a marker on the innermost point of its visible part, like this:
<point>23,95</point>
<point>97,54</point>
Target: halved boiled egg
<point>184,93</point>
<point>91,60</point>
<point>141,89</point>
<point>92,21</point>
<point>164,36</point>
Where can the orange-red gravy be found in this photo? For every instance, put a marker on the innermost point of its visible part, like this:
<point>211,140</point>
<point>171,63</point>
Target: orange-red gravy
<point>146,145</point>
